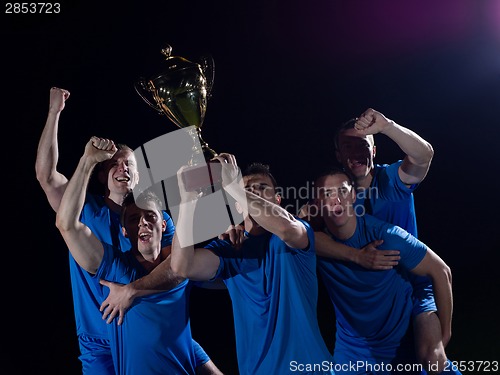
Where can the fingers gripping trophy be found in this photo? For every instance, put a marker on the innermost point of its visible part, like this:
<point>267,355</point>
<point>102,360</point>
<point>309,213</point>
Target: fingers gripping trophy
<point>181,92</point>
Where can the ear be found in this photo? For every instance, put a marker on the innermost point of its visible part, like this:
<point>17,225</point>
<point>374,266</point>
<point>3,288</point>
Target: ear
<point>124,232</point>
<point>163,225</point>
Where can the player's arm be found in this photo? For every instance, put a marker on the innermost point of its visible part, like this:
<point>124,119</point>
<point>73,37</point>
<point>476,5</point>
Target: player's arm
<point>268,215</point>
<point>83,244</point>
<point>121,296</point>
<point>435,268</point>
<point>419,152</point>
<point>51,180</point>
<point>368,257</point>
<point>187,261</point>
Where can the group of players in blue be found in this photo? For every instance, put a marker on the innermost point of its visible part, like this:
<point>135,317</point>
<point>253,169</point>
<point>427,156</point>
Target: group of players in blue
<point>132,269</point>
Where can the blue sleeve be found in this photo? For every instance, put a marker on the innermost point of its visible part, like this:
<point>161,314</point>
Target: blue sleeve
<point>310,235</point>
<point>390,186</point>
<point>412,251</point>
<point>89,208</point>
<point>221,248</point>
<point>168,235</point>
<point>200,356</point>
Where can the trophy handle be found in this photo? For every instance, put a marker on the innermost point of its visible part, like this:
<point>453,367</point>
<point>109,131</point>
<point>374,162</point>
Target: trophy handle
<point>208,68</point>
<point>141,88</point>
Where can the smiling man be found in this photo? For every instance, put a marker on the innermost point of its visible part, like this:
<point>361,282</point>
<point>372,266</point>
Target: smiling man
<point>155,337</point>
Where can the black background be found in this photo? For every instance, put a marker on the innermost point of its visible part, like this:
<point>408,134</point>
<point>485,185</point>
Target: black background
<point>287,72</point>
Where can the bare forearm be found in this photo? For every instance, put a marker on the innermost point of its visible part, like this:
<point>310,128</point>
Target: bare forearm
<point>74,198</point>
<point>162,278</point>
<point>329,248</point>
<point>52,182</point>
<point>444,301</point>
<point>84,246</point>
<point>269,216</point>
<point>47,153</point>
<point>182,256</point>
<point>418,149</point>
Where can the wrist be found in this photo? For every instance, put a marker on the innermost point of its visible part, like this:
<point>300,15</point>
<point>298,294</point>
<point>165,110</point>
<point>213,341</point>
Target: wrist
<point>389,126</point>
<point>131,290</point>
<point>353,256</point>
<point>54,112</point>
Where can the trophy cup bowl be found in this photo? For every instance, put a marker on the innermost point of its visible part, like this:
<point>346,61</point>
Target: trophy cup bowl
<point>181,93</point>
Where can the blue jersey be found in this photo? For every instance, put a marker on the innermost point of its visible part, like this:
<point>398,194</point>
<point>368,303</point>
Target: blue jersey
<point>274,294</point>
<point>87,292</point>
<point>155,336</point>
<point>389,199</point>
<point>105,225</point>
<point>372,308</point>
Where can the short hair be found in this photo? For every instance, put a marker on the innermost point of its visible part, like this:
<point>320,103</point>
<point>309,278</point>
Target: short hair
<point>335,171</point>
<point>344,126</point>
<point>139,200</point>
<point>262,169</point>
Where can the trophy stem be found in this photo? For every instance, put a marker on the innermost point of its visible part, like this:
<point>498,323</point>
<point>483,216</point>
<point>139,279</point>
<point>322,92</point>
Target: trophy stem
<point>200,155</point>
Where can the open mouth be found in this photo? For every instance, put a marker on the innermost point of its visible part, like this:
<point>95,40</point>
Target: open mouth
<point>144,237</point>
<point>122,179</point>
<point>337,210</point>
<point>357,162</point>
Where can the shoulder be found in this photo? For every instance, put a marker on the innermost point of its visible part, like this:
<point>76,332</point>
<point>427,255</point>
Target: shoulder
<point>388,169</point>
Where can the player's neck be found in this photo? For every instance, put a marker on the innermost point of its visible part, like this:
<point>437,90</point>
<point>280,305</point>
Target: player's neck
<point>113,203</point>
<point>364,182</point>
<point>344,231</point>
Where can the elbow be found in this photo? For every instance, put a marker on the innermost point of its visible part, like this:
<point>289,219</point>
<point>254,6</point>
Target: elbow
<point>41,176</point>
<point>287,229</point>
<point>177,268</point>
<point>62,224</point>
<point>59,223</point>
<point>447,272</point>
<point>430,152</point>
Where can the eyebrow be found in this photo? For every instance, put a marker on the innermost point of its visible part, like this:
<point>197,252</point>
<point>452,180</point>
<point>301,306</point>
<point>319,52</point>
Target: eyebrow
<point>257,183</point>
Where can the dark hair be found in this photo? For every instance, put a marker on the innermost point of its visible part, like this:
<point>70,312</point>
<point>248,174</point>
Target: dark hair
<point>140,200</point>
<point>259,168</point>
<point>335,171</point>
<point>344,126</point>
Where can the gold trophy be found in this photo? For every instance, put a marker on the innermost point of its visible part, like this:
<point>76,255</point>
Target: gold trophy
<point>181,92</point>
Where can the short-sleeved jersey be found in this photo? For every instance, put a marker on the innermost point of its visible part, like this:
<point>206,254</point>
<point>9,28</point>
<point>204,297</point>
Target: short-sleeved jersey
<point>155,336</point>
<point>105,224</point>
<point>373,308</point>
<point>274,294</point>
<point>389,199</point>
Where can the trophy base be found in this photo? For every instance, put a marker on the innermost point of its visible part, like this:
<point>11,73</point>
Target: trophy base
<point>204,178</point>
